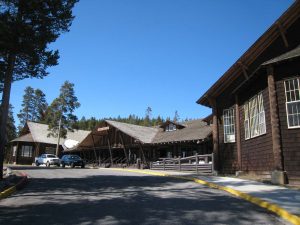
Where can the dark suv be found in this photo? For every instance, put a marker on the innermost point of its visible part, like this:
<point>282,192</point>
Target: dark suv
<point>72,160</point>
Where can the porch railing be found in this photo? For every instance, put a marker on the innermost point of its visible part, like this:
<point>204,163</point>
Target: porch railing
<point>202,164</point>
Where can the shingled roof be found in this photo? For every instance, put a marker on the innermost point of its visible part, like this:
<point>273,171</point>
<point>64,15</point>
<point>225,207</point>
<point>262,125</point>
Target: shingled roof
<point>193,130</point>
<point>141,133</point>
<point>38,133</point>
<point>286,56</point>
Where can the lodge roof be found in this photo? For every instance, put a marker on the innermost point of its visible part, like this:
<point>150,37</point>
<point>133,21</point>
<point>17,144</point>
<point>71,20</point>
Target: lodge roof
<point>254,54</point>
<point>38,133</point>
<point>286,56</point>
<point>141,133</point>
<point>193,130</point>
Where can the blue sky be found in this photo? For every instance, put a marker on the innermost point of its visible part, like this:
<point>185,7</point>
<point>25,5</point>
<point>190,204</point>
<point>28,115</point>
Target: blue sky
<point>125,55</point>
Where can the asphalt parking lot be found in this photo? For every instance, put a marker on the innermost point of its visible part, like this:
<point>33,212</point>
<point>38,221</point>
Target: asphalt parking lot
<point>103,196</point>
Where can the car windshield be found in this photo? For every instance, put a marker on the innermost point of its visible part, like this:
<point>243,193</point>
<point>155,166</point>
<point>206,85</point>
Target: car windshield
<point>51,156</point>
<point>75,157</point>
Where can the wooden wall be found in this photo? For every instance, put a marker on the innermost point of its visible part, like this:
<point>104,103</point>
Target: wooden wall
<point>290,138</point>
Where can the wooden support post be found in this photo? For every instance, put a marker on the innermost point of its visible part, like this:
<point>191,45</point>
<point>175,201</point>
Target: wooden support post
<point>143,155</point>
<point>110,152</point>
<point>164,164</point>
<point>277,150</point>
<point>124,149</point>
<point>215,132</point>
<point>179,163</point>
<point>94,148</point>
<point>197,162</point>
<point>238,133</point>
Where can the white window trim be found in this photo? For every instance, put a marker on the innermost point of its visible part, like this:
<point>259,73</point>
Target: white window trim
<point>258,114</point>
<point>225,139</point>
<point>286,102</point>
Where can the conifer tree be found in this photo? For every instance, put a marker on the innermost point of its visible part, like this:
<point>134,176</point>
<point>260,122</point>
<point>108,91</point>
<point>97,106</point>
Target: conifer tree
<point>27,111</point>
<point>40,106</point>
<point>59,116</point>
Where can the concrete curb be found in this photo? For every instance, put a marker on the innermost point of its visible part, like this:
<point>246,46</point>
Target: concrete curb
<point>18,186</point>
<point>257,201</point>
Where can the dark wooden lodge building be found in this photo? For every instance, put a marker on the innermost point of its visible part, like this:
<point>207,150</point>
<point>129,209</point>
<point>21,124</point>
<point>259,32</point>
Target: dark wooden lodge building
<point>256,106</point>
<point>116,143</point>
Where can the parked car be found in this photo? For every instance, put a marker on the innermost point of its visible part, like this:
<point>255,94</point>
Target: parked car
<point>47,159</point>
<point>72,160</point>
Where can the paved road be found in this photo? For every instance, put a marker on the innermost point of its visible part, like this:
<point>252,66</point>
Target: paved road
<point>102,196</point>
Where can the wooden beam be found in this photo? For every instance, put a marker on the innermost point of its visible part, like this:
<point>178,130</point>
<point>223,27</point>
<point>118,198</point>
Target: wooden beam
<point>282,34</point>
<point>213,103</point>
<point>276,137</point>
<point>238,133</point>
<point>244,69</point>
<point>102,129</point>
<point>94,148</point>
<point>125,153</point>
<point>110,152</point>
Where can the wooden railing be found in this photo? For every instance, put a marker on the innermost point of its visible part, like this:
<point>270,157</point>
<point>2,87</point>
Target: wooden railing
<point>198,163</point>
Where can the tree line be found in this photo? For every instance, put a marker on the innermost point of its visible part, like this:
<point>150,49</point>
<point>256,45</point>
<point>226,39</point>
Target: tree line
<point>35,108</point>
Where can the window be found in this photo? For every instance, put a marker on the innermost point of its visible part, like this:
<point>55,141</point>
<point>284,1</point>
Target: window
<point>229,127</point>
<point>26,151</point>
<point>254,113</point>
<point>171,127</point>
<point>50,150</point>
<point>292,94</point>
<point>14,150</point>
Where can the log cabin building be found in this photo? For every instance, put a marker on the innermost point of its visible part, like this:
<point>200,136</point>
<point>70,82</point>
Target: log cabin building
<point>34,140</point>
<point>117,143</point>
<point>256,106</point>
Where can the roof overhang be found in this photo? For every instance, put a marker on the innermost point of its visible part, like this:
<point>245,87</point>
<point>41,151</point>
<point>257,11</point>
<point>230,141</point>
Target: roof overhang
<point>238,68</point>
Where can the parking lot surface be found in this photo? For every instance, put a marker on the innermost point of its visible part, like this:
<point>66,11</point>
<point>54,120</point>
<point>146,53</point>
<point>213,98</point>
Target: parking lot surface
<point>103,196</point>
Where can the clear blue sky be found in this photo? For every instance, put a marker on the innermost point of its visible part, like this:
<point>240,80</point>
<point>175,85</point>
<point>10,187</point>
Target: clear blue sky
<point>125,55</point>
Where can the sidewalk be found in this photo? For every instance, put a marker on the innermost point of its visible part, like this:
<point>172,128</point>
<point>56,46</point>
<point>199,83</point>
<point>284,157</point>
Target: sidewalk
<point>285,198</point>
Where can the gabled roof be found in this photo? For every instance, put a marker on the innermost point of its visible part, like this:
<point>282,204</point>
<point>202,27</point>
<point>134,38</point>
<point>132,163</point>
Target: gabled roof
<point>38,133</point>
<point>141,133</point>
<point>286,56</point>
<point>180,126</point>
<point>193,130</point>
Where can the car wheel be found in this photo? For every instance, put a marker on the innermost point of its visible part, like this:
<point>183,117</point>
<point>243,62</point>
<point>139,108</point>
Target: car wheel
<point>37,163</point>
<point>47,164</point>
<point>72,165</point>
<point>63,165</point>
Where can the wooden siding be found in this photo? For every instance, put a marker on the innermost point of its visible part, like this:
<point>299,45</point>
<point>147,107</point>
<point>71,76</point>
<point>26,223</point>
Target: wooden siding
<point>290,138</point>
<point>257,153</point>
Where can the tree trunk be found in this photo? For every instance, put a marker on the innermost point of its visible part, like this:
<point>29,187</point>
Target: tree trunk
<point>4,109</point>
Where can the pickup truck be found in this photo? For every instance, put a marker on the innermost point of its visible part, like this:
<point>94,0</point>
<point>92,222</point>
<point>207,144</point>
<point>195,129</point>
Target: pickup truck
<point>47,159</point>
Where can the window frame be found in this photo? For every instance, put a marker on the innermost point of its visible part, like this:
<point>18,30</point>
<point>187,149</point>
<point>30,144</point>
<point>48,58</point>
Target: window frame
<point>229,125</point>
<point>30,151</point>
<point>253,111</point>
<point>286,100</point>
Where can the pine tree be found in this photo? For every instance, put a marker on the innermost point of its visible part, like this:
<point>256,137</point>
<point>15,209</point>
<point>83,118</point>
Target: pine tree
<point>59,116</point>
<point>148,115</point>
<point>27,111</point>
<point>27,27</point>
<point>176,117</point>
<point>40,106</point>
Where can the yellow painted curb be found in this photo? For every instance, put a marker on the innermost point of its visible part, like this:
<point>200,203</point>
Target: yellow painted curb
<point>7,192</point>
<point>257,201</point>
